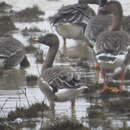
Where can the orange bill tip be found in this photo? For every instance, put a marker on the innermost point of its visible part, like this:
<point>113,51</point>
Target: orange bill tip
<point>35,39</point>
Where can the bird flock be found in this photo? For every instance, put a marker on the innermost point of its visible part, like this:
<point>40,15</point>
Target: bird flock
<point>102,32</point>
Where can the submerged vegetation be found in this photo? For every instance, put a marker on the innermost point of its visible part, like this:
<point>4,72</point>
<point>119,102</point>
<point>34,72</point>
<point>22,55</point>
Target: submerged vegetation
<point>31,112</point>
<point>29,15</point>
<point>64,123</point>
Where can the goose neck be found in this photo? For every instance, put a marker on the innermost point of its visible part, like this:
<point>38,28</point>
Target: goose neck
<point>50,57</point>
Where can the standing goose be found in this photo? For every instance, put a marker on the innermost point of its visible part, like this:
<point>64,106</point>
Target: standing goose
<point>111,48</point>
<point>71,20</point>
<point>59,83</point>
<point>12,53</point>
<point>97,24</point>
<point>100,23</point>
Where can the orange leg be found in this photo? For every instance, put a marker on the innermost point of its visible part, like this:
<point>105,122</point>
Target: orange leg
<point>114,89</point>
<point>106,87</point>
<point>99,74</point>
<point>122,86</point>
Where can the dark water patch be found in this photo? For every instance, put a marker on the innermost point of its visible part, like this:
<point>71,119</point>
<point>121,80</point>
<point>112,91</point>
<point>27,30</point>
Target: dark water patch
<point>29,15</point>
<point>31,80</point>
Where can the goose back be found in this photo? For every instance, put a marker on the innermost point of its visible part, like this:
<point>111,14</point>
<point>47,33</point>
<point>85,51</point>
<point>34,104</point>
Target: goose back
<point>9,46</point>
<point>72,14</point>
<point>114,42</point>
<point>60,77</point>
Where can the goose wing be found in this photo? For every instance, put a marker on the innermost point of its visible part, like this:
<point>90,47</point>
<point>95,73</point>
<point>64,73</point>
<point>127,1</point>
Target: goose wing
<point>9,46</point>
<point>72,14</point>
<point>61,77</point>
<point>115,42</point>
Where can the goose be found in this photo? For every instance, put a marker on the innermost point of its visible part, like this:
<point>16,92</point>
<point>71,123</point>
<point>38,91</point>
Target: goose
<point>100,23</point>
<point>112,46</point>
<point>12,53</point>
<point>97,24</point>
<point>58,83</point>
<point>71,20</point>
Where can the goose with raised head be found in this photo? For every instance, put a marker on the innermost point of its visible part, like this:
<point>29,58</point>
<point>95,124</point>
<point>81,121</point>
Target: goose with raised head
<point>112,46</point>
<point>71,20</point>
<point>61,82</point>
<point>100,23</point>
<point>97,24</point>
<point>12,53</point>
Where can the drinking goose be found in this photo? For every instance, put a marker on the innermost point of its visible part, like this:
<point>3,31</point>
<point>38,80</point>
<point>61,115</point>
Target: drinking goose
<point>58,83</point>
<point>70,21</point>
<point>12,53</point>
<point>112,46</point>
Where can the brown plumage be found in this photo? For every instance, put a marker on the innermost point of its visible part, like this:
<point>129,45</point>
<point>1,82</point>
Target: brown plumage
<point>58,83</point>
<point>112,46</point>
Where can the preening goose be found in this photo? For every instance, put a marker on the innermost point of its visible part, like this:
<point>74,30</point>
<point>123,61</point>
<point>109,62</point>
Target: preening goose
<point>61,82</point>
<point>112,46</point>
<point>71,20</point>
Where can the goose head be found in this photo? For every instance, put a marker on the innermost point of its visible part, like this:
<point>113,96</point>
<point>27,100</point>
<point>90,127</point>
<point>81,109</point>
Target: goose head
<point>50,40</point>
<point>112,7</point>
<point>102,2</point>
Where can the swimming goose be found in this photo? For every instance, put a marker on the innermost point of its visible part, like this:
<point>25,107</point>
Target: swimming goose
<point>58,83</point>
<point>70,21</point>
<point>112,46</point>
<point>12,53</point>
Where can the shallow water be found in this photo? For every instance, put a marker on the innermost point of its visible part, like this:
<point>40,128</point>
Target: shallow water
<point>14,91</point>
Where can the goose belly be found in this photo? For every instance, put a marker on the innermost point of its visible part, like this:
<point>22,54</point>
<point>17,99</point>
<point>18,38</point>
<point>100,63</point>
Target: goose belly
<point>109,61</point>
<point>70,30</point>
<point>66,94</point>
